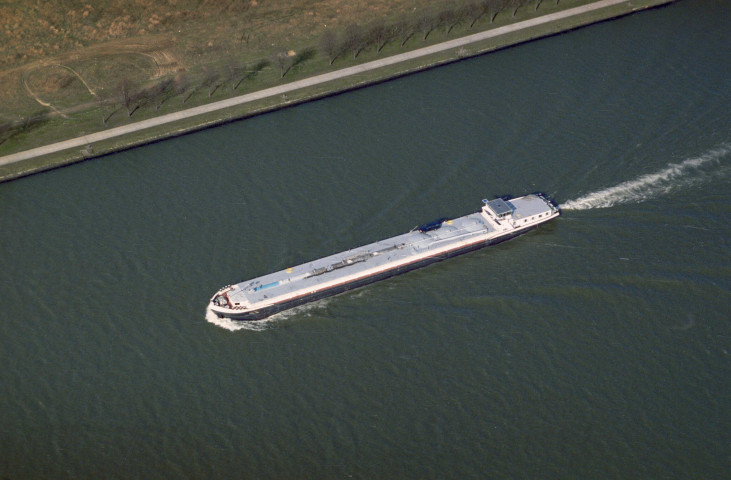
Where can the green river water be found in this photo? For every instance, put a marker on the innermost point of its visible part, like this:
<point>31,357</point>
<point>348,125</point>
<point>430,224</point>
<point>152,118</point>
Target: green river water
<point>597,346</point>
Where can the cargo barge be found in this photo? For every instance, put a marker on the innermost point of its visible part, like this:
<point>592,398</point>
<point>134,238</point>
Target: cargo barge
<point>497,221</point>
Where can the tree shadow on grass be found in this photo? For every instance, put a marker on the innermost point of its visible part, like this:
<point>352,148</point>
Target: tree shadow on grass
<point>26,125</point>
<point>300,58</point>
<point>251,72</point>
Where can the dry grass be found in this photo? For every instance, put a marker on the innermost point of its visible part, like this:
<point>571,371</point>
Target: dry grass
<point>51,52</point>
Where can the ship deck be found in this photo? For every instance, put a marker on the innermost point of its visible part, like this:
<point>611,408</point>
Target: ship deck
<point>498,219</point>
<point>374,256</point>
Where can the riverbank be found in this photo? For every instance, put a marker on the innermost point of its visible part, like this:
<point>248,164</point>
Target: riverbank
<point>99,143</point>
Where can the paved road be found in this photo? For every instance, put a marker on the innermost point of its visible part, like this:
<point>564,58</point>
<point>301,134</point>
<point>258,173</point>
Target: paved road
<point>307,82</point>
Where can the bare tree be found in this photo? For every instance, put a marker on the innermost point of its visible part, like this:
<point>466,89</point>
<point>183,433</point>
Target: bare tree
<point>403,29</point>
<point>234,73</point>
<point>107,99</point>
<point>379,34</point>
<point>330,46</point>
<point>132,97</point>
<point>495,7</point>
<point>211,80</point>
<point>7,131</point>
<point>426,23</point>
<point>354,40</point>
<point>33,120</point>
<point>125,89</point>
<point>181,84</point>
<point>190,91</point>
<point>449,18</point>
<point>538,3</point>
<point>474,11</point>
<point>283,60</point>
<point>516,4</point>
<point>38,117</point>
<point>105,118</point>
<point>141,97</point>
<point>108,102</point>
<point>163,90</point>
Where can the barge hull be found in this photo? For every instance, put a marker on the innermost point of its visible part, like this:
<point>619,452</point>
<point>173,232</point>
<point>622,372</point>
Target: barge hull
<point>499,220</point>
<point>268,311</point>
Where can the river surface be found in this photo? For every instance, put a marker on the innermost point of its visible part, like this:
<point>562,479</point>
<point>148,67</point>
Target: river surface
<point>598,346</point>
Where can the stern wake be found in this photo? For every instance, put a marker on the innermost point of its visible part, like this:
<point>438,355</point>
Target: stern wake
<point>692,171</point>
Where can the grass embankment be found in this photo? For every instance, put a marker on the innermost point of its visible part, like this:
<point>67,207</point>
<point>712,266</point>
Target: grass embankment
<point>83,80</point>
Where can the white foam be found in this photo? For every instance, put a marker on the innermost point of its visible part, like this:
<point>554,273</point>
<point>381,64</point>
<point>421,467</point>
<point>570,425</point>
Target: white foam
<point>259,325</point>
<point>676,175</point>
<point>234,325</point>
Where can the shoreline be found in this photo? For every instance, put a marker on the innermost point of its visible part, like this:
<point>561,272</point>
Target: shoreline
<point>154,129</point>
